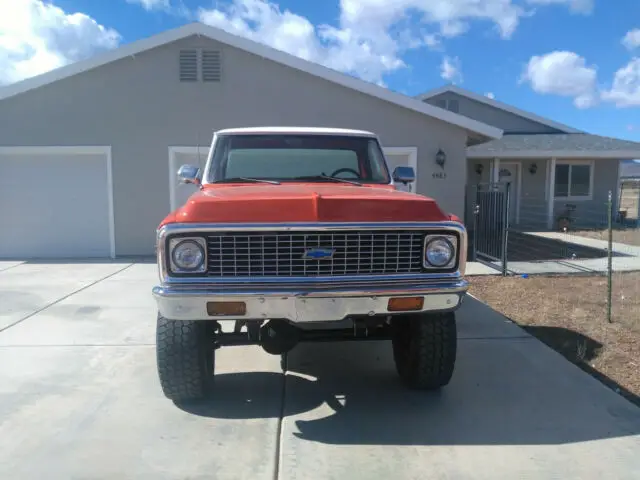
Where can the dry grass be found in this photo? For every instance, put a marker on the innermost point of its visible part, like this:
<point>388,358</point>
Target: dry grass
<point>570,315</point>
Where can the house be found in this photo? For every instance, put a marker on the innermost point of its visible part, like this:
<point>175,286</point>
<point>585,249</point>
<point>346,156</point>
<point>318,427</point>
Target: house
<point>547,165</point>
<point>89,152</point>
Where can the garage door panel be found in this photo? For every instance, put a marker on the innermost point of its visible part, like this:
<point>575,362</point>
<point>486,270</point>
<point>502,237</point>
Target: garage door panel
<point>54,206</point>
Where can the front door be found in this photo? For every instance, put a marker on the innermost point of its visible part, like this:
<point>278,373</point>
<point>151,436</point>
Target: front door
<point>508,174</point>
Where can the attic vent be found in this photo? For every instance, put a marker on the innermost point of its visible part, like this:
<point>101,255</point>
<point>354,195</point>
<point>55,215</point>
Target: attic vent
<point>211,66</point>
<point>454,106</point>
<point>188,65</point>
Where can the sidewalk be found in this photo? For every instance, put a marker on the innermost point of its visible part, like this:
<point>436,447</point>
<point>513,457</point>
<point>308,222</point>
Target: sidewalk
<point>629,261</point>
<point>620,248</point>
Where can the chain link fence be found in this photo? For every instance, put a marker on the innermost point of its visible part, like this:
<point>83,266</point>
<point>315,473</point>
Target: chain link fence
<point>597,238</point>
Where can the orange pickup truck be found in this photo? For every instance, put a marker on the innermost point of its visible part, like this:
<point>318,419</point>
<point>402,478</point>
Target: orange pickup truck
<point>301,234</point>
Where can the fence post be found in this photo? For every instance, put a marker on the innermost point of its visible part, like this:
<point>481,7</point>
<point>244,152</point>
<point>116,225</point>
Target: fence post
<point>505,231</point>
<point>609,256</point>
<point>476,212</point>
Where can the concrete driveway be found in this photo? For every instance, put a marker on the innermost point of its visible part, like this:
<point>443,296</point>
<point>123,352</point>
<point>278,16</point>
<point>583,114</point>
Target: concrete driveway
<point>79,399</point>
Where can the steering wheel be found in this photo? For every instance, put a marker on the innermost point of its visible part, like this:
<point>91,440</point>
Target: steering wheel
<point>350,170</point>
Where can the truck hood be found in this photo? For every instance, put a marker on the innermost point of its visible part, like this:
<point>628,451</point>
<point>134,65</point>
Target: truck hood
<point>305,202</point>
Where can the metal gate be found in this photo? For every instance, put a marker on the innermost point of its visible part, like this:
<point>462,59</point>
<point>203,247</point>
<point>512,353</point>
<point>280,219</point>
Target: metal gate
<point>490,210</point>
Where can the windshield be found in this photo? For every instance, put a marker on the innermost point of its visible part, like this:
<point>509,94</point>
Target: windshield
<point>306,158</point>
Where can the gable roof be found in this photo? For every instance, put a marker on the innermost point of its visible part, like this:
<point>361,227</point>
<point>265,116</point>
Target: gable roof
<point>261,50</point>
<point>561,145</point>
<point>499,105</point>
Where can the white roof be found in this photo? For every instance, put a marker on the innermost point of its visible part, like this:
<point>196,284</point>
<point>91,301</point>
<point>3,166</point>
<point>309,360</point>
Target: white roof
<point>256,49</point>
<point>296,130</point>
<point>500,105</point>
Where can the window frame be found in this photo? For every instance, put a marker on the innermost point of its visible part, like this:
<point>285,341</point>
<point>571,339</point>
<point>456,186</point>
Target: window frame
<point>571,163</point>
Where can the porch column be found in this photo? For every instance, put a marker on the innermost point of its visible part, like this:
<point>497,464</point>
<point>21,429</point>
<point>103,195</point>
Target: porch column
<point>551,187</point>
<point>495,171</point>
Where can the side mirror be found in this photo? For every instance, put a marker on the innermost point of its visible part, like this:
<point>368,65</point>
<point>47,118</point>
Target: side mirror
<point>404,175</point>
<point>189,174</point>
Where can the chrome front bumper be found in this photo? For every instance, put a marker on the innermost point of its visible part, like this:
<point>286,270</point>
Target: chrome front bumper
<point>189,302</point>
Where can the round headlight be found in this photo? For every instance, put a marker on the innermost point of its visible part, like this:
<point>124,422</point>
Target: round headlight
<point>439,252</point>
<point>188,255</point>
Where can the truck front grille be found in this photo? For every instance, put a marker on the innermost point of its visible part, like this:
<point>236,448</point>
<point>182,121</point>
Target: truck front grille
<point>287,253</point>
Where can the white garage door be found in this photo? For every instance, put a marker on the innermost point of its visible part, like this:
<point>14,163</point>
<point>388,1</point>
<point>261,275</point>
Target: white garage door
<point>179,193</point>
<point>55,202</point>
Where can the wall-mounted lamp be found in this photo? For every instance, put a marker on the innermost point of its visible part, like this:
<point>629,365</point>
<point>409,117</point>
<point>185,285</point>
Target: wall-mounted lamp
<point>441,158</point>
<point>533,168</point>
<point>479,168</point>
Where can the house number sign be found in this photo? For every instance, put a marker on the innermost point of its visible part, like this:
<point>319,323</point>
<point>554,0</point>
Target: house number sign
<point>439,175</point>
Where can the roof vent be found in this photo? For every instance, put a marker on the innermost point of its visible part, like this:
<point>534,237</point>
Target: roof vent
<point>188,65</point>
<point>211,66</point>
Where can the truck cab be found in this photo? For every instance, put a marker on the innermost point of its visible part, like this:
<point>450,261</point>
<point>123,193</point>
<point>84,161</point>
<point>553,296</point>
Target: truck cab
<point>301,234</point>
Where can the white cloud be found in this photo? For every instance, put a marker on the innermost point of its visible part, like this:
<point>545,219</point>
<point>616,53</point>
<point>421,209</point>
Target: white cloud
<point>490,95</point>
<point>36,37</point>
<point>451,69</point>
<point>576,6</point>
<point>342,50</point>
<point>368,40</point>
<point>632,39</point>
<point>371,36</point>
<point>153,4</point>
<point>432,41</point>
<point>625,91</point>
<point>563,73</point>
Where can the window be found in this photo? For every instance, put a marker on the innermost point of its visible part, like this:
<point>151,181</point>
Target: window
<point>573,180</point>
<point>284,157</point>
<point>451,104</point>
<point>288,163</point>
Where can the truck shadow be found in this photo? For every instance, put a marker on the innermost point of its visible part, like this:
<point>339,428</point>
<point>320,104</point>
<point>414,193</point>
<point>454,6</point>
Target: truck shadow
<point>499,395</point>
<point>510,391</point>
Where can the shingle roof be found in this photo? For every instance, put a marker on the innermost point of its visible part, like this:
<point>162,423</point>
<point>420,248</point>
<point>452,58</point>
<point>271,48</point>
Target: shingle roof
<point>578,145</point>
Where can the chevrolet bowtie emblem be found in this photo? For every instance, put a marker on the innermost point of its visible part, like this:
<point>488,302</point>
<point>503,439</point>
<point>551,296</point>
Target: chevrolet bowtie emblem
<point>319,253</point>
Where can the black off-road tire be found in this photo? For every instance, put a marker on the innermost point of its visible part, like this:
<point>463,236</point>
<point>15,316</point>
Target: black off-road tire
<point>424,349</point>
<point>185,358</point>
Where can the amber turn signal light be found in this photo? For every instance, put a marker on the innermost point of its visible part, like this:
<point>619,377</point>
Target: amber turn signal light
<point>226,308</point>
<point>405,304</point>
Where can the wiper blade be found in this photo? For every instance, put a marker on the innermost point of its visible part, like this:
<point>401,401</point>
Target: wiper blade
<point>327,178</point>
<point>247,179</point>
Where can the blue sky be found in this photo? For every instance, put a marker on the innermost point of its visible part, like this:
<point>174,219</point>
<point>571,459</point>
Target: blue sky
<point>575,61</point>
